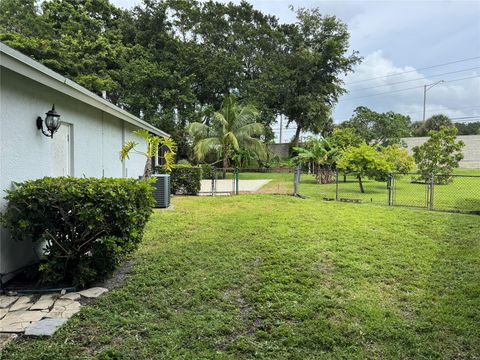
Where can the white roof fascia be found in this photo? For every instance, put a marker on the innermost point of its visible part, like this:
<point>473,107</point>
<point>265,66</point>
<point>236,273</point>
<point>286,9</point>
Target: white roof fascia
<point>19,63</point>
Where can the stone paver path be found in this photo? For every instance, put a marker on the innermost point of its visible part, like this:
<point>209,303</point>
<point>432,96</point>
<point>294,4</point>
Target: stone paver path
<point>42,315</point>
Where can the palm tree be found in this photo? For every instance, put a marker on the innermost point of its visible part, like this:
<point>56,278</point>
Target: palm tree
<point>233,127</point>
<point>153,143</point>
<point>321,156</point>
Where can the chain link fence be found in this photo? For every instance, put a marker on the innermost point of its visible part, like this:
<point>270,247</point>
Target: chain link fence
<point>218,182</point>
<point>455,192</point>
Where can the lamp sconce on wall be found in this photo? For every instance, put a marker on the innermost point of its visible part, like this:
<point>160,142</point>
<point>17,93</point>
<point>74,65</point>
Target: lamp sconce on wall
<point>52,122</point>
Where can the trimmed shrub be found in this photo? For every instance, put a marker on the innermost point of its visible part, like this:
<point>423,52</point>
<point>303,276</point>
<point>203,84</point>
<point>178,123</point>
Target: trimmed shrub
<point>208,171</point>
<point>87,224</point>
<point>185,179</point>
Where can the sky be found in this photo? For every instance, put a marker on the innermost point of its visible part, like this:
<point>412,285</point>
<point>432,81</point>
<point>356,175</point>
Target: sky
<point>405,45</point>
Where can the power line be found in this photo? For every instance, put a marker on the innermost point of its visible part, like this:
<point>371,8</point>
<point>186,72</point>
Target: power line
<point>400,90</point>
<point>415,70</point>
<point>417,79</point>
<point>442,109</point>
<point>465,117</point>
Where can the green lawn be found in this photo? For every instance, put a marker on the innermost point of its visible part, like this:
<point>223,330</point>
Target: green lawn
<point>462,194</point>
<point>277,277</point>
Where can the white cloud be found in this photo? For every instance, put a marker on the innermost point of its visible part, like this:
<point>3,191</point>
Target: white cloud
<point>400,89</point>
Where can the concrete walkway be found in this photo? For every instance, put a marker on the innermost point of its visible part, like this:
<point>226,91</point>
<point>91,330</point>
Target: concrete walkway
<point>227,186</point>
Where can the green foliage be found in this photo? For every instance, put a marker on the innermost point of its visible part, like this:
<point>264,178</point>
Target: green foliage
<point>232,128</point>
<point>435,122</point>
<point>310,61</point>
<point>185,179</point>
<point>88,225</point>
<point>439,155</point>
<point>400,159</point>
<point>270,160</point>
<point>379,128</point>
<point>170,60</point>
<point>364,160</point>
<point>320,156</point>
<point>401,162</point>
<point>208,171</point>
<point>183,162</point>
<point>472,128</point>
<point>344,137</point>
<point>153,144</point>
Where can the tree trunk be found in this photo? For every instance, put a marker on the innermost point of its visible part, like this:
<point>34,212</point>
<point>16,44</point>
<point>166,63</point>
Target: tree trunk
<point>344,178</point>
<point>296,139</point>
<point>147,171</point>
<point>360,184</point>
<point>225,161</point>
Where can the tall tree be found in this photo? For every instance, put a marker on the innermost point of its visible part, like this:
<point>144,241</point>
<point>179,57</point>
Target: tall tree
<point>379,128</point>
<point>313,56</point>
<point>435,122</point>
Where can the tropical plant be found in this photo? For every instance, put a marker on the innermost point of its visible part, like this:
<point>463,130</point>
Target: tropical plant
<point>400,160</point>
<point>439,155</point>
<point>434,122</point>
<point>153,144</point>
<point>233,127</point>
<point>271,159</point>
<point>320,156</point>
<point>364,160</point>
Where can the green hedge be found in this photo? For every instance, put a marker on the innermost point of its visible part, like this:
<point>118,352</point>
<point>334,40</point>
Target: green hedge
<point>208,171</point>
<point>88,225</point>
<point>185,179</point>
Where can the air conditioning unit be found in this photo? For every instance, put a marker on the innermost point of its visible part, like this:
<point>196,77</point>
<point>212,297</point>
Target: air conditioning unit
<point>161,193</point>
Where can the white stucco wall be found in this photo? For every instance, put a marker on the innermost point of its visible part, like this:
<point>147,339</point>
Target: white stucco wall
<point>25,153</point>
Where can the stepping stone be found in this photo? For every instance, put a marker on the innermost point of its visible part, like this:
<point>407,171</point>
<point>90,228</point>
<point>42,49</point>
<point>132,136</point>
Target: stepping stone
<point>93,292</point>
<point>6,301</point>
<point>64,309</point>
<point>44,327</point>
<point>71,296</point>
<point>3,312</point>
<point>17,321</point>
<point>23,303</point>
<point>45,302</point>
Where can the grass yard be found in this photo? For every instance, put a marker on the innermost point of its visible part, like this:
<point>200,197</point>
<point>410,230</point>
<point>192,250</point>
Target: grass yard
<point>276,277</point>
<point>462,194</point>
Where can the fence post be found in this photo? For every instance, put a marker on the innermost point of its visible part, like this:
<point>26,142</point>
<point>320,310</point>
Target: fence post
<point>389,187</point>
<point>432,186</point>
<point>214,175</point>
<point>237,172</point>
<point>296,180</point>
<point>336,186</point>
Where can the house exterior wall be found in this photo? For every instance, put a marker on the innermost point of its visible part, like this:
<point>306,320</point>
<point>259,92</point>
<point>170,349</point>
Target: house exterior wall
<point>25,153</point>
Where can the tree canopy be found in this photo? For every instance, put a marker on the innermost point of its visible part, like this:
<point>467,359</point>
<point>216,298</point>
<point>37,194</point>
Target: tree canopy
<point>379,128</point>
<point>439,155</point>
<point>435,122</point>
<point>172,61</point>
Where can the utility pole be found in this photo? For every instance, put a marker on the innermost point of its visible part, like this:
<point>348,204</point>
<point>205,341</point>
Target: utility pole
<point>427,87</point>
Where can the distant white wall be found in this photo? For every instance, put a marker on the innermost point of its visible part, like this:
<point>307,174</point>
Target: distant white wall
<point>25,153</point>
<point>471,151</point>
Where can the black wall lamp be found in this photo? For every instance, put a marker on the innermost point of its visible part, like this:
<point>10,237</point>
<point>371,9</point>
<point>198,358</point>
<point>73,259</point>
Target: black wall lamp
<point>52,122</point>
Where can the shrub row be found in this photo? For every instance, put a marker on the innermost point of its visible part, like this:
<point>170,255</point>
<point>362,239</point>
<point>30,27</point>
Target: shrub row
<point>87,225</point>
<point>185,179</point>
